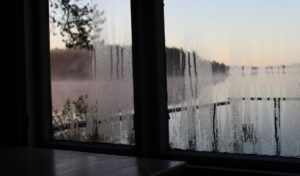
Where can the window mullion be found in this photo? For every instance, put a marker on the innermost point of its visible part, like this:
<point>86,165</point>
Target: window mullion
<point>149,63</point>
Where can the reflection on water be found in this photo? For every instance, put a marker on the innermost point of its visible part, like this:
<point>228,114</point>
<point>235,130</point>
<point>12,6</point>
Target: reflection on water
<point>248,110</point>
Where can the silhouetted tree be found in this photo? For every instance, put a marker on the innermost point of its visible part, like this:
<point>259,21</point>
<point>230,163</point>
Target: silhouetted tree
<point>78,22</point>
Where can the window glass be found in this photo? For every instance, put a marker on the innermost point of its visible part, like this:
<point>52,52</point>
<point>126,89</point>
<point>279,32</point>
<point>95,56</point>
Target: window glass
<point>91,71</point>
<point>233,73</point>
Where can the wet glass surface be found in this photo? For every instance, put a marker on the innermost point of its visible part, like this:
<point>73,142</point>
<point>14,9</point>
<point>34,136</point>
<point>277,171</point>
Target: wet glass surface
<point>233,73</point>
<point>91,71</point>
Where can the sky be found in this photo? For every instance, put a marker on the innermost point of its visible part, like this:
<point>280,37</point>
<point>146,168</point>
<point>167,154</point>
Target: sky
<point>235,32</point>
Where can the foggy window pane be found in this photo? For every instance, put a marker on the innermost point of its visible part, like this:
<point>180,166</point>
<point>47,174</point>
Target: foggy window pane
<point>233,73</point>
<point>91,71</point>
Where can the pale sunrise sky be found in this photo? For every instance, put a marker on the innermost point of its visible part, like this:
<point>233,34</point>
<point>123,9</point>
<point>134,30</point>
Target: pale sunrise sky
<point>236,32</point>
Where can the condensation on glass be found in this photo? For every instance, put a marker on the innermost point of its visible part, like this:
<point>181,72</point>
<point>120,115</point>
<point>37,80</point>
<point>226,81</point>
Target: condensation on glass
<point>233,73</point>
<point>92,86</point>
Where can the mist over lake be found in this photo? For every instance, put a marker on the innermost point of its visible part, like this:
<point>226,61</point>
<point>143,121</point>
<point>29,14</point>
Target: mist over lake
<point>212,106</point>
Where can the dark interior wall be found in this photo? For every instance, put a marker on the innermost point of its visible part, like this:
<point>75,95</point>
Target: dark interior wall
<point>13,79</point>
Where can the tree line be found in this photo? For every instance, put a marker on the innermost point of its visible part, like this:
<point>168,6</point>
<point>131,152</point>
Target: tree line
<point>78,64</point>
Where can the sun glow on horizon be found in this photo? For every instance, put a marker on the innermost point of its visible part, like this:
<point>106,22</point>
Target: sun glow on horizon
<point>235,32</point>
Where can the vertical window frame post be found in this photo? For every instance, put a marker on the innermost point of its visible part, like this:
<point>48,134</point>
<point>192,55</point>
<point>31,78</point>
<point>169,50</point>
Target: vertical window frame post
<point>149,73</point>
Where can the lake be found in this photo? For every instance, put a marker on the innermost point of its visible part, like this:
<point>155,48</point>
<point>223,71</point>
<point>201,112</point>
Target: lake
<point>244,111</point>
<point>248,111</point>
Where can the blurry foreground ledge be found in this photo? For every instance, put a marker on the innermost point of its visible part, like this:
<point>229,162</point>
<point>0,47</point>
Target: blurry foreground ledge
<point>47,162</point>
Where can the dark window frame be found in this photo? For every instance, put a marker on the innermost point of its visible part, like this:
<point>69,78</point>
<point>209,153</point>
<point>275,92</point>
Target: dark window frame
<point>146,87</point>
<point>150,93</point>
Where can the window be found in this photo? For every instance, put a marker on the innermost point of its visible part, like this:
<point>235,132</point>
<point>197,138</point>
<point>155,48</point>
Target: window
<point>91,71</point>
<point>163,91</point>
<point>233,76</point>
